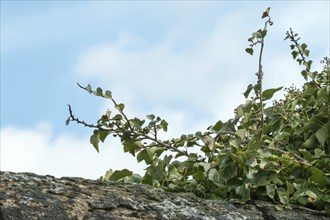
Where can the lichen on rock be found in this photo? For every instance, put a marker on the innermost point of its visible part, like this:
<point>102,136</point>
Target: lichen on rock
<point>31,196</point>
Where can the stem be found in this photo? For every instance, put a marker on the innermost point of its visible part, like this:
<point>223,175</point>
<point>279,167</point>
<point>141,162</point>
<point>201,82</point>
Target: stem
<point>295,41</point>
<point>260,78</point>
<point>115,103</point>
<point>327,69</point>
<point>141,135</point>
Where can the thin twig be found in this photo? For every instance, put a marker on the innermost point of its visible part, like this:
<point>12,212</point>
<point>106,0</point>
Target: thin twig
<point>260,82</point>
<point>140,135</point>
<point>115,103</point>
<point>295,41</point>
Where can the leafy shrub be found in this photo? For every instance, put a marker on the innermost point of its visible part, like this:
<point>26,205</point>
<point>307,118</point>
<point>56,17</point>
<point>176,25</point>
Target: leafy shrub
<point>279,153</point>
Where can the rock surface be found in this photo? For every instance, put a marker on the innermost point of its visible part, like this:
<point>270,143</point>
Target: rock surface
<point>30,196</point>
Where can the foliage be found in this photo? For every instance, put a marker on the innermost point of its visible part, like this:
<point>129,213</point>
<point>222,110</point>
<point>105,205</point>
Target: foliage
<point>280,152</point>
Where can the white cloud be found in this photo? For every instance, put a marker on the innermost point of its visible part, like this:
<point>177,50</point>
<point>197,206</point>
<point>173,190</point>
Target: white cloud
<point>38,150</point>
<point>146,74</point>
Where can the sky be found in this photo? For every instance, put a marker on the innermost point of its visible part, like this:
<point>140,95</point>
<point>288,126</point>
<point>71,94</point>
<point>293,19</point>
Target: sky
<point>184,61</point>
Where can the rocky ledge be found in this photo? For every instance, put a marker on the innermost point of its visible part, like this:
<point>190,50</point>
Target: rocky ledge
<point>31,196</point>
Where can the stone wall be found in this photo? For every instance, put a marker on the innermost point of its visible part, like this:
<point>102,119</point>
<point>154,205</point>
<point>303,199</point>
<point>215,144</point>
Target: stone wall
<point>31,196</point>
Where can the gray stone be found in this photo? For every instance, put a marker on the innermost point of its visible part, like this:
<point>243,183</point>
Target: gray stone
<point>31,196</point>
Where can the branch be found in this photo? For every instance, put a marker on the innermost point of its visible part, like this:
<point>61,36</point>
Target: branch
<point>73,118</point>
<point>140,136</point>
<point>295,41</point>
<point>115,103</point>
<point>260,78</point>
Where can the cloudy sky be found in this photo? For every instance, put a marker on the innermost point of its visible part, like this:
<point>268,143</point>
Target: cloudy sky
<point>184,61</point>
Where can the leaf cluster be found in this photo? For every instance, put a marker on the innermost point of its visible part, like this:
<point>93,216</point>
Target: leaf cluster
<point>286,161</point>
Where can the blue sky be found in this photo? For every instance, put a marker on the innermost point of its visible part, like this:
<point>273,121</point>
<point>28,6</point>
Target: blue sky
<point>183,61</point>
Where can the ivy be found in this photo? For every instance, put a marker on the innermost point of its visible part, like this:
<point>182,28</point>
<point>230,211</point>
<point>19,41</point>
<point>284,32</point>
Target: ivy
<point>280,153</point>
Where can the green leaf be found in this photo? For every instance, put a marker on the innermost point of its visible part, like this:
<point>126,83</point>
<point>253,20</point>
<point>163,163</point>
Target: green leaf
<point>89,88</point>
<point>310,143</point>
<point>249,51</point>
<point>174,174</point>
<point>248,90</point>
<point>263,33</point>
<point>119,174</point>
<point>308,65</point>
<point>94,140</point>
<point>120,107</point>
<point>322,94</point>
<point>326,198</point>
<point>99,91</point>
<point>67,122</point>
<point>117,117</point>
<point>164,125</point>
<point>131,146</point>
<point>146,155</point>
<point>289,188</point>
<point>167,159</point>
<point>134,178</point>
<point>252,162</point>
<point>199,134</point>
<point>199,176</point>
<point>261,180</point>
<point>239,111</point>
<point>136,123</point>
<point>306,53</point>
<point>241,133</point>
<point>283,196</point>
<point>243,192</point>
<point>303,46</point>
<point>235,142</point>
<point>192,157</point>
<point>107,175</point>
<point>304,73</point>
<point>257,34</point>
<point>315,123</point>
<point>317,176</point>
<point>229,171</point>
<point>268,93</point>
<point>275,179</point>
<point>103,135</point>
<point>254,145</point>
<point>108,94</point>
<point>214,175</point>
<point>218,126</point>
<point>271,190</point>
<point>158,150</point>
<point>151,117</point>
<point>294,54</point>
<point>322,135</point>
<point>250,174</point>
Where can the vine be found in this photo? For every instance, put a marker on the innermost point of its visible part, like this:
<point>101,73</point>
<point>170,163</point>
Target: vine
<point>279,153</point>
<point>259,38</point>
